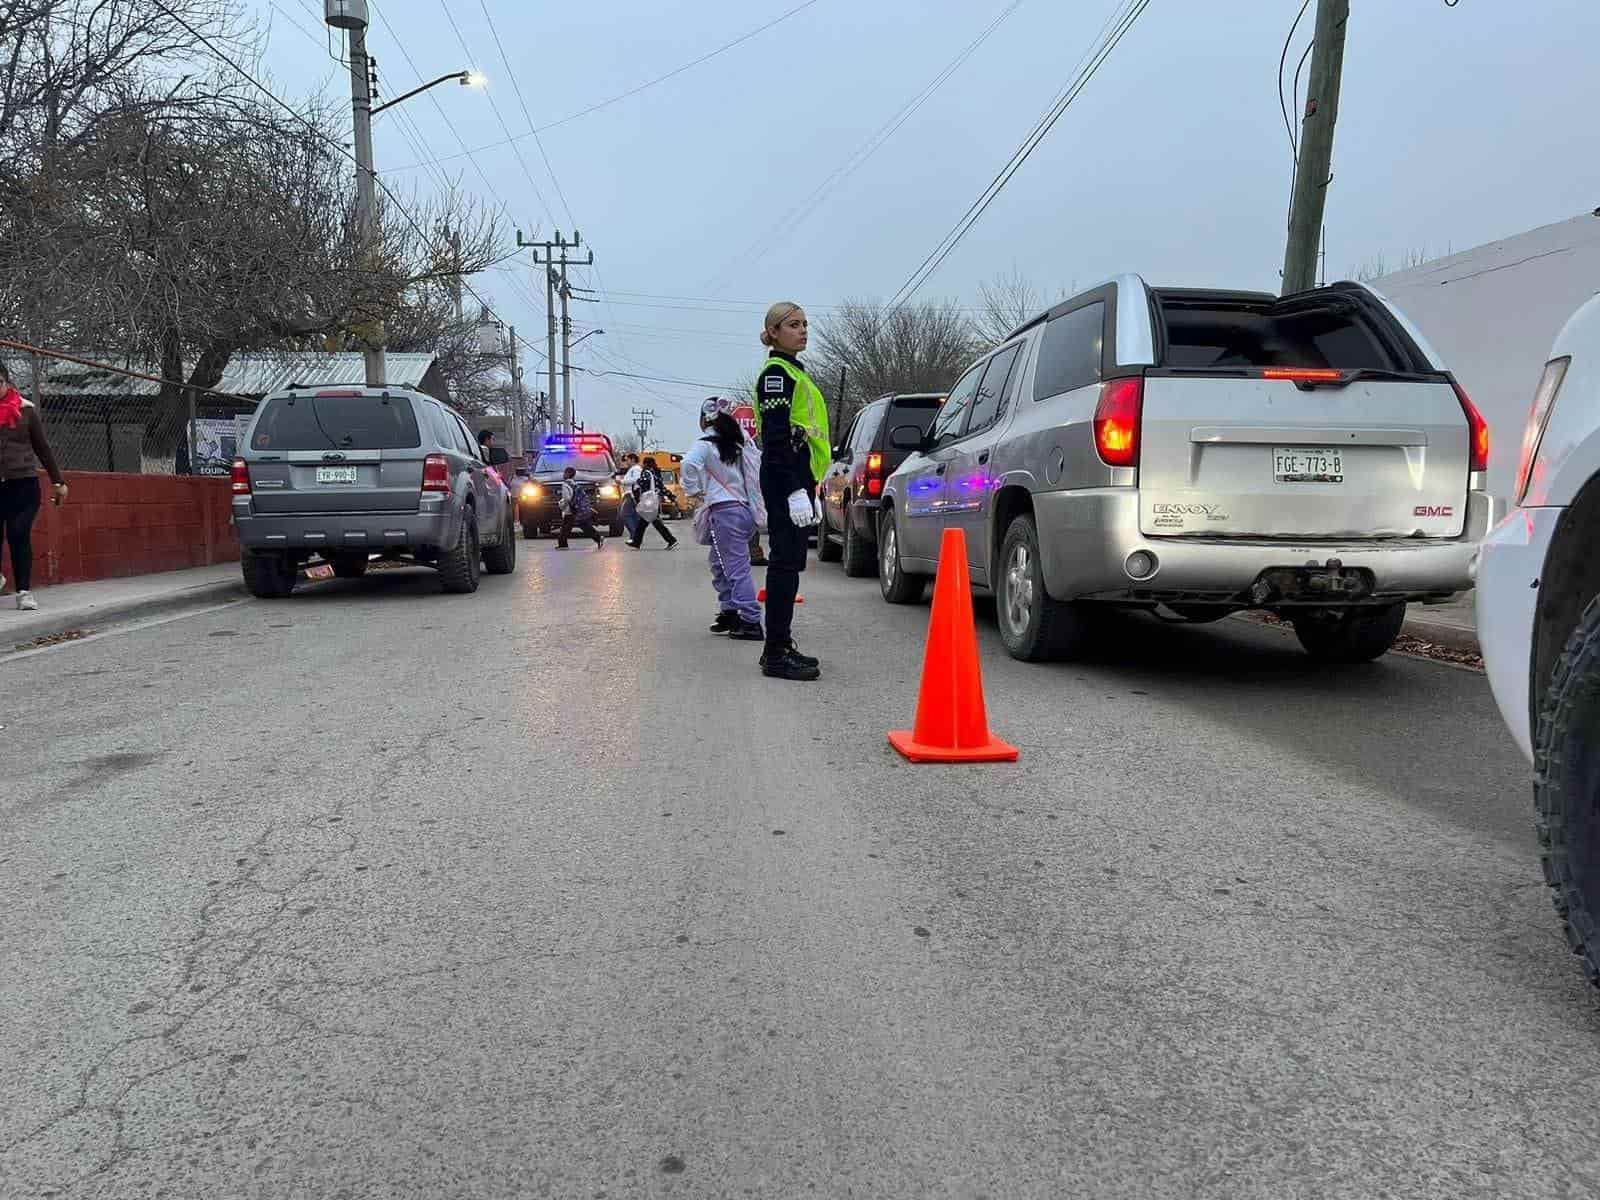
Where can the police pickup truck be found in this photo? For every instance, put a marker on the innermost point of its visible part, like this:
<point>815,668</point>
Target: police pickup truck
<point>594,460</point>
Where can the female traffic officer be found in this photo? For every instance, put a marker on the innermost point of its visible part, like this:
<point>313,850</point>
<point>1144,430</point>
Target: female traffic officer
<point>792,420</point>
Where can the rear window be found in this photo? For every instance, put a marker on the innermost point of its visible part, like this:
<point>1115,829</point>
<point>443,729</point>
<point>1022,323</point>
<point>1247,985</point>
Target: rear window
<point>920,411</point>
<point>1330,332</point>
<point>336,423</point>
<point>560,458</point>
<point>1070,351</point>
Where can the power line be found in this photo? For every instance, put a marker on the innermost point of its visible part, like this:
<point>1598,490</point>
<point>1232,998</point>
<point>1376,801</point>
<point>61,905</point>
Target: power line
<point>1288,127</point>
<point>523,100</point>
<point>865,151</point>
<point>634,91</point>
<point>951,240</point>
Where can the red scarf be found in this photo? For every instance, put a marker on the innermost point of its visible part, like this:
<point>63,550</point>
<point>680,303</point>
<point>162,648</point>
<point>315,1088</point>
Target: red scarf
<point>10,408</point>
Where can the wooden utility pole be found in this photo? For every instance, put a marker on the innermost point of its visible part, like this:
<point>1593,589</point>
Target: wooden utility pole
<point>555,286</point>
<point>1312,166</point>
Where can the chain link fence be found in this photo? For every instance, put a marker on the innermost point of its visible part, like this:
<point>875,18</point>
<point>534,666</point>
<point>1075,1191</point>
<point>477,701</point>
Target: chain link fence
<point>97,419</point>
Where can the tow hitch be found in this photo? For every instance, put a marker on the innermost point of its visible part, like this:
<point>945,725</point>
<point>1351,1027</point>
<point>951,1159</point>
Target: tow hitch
<point>1330,580</point>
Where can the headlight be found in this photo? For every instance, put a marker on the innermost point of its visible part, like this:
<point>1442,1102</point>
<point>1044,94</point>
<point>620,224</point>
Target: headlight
<point>531,491</point>
<point>610,491</point>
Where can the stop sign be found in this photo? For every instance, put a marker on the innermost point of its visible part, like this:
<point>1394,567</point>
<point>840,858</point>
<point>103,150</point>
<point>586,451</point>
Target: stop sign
<point>745,414</point>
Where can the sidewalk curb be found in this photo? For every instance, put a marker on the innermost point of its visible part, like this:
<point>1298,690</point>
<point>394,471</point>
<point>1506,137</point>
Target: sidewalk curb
<point>97,617</point>
<point>1452,637</point>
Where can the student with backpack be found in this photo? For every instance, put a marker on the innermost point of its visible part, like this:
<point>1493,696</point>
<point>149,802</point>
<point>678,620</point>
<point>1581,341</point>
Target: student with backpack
<point>576,508</point>
<point>724,470</point>
<point>647,492</point>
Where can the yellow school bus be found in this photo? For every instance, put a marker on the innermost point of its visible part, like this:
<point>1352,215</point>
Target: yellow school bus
<point>675,503</point>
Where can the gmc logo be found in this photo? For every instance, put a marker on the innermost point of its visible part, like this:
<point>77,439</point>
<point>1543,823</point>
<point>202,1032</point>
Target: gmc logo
<point>1434,510</point>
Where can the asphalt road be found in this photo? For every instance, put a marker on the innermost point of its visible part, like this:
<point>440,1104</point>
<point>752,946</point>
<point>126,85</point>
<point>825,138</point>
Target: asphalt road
<point>545,892</point>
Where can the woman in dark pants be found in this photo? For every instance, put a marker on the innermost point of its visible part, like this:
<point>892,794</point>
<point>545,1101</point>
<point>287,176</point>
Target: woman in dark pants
<point>23,449</point>
<point>650,479</point>
<point>795,452</point>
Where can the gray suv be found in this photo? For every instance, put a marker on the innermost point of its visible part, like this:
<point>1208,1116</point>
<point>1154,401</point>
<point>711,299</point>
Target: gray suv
<point>346,473</point>
<point>1200,452</point>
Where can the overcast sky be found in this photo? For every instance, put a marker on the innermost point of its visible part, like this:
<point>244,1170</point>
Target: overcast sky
<point>1457,126</point>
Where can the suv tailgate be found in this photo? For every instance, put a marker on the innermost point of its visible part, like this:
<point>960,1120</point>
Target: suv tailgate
<point>1378,446</point>
<point>336,453</point>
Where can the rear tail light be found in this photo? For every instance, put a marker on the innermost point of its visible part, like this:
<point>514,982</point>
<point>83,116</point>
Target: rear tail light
<point>241,478</point>
<point>874,475</point>
<point>1544,402</point>
<point>1116,421</point>
<point>436,474</point>
<point>1478,432</point>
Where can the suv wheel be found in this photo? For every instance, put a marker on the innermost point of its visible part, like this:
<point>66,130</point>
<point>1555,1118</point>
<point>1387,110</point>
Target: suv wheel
<point>350,566</point>
<point>501,559</point>
<point>1349,635</point>
<point>1566,782</point>
<point>268,575</point>
<point>897,584</point>
<point>859,559</point>
<point>1034,626</point>
<point>827,548</point>
<point>458,569</point>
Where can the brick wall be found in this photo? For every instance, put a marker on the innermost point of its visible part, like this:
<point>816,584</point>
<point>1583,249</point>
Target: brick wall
<point>115,525</point>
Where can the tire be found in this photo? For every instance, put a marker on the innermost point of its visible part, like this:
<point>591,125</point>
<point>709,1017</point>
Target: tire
<point>349,566</point>
<point>827,550</point>
<point>268,575</point>
<point>1035,626</point>
<point>502,559</point>
<point>1349,635</point>
<point>860,559</point>
<point>459,568</point>
<point>1566,789</point>
<point>897,584</point>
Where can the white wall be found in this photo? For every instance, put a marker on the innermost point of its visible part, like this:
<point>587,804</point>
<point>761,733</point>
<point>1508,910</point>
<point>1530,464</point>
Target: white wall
<point>1492,313</point>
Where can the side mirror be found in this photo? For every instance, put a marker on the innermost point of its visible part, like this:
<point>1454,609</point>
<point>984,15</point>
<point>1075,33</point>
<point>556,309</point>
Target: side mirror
<point>499,456</point>
<point>908,437</point>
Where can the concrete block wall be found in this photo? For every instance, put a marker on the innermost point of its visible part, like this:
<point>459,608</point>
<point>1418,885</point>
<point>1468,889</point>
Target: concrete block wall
<point>116,525</point>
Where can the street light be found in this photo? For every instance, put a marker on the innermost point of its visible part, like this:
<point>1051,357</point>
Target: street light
<point>579,342</point>
<point>353,17</point>
<point>465,78</point>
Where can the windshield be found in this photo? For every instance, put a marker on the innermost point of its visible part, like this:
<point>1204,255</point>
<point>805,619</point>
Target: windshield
<point>336,423</point>
<point>560,459</point>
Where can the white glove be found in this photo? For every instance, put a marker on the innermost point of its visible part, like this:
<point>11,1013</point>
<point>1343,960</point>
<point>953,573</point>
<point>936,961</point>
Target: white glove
<point>800,510</point>
<point>817,507</point>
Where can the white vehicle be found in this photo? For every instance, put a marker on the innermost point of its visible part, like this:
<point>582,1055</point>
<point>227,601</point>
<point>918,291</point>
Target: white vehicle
<point>1539,623</point>
<point>1204,451</point>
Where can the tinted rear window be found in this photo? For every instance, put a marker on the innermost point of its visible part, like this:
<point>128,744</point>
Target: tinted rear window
<point>907,412</point>
<point>1331,333</point>
<point>336,423</point>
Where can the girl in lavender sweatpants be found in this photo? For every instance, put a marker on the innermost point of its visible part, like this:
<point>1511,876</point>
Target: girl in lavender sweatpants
<point>724,469</point>
<point>731,526</point>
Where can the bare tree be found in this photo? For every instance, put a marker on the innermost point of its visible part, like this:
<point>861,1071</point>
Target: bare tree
<point>1378,265</point>
<point>1005,302</point>
<point>918,348</point>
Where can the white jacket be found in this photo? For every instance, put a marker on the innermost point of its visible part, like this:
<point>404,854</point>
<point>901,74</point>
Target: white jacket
<point>704,474</point>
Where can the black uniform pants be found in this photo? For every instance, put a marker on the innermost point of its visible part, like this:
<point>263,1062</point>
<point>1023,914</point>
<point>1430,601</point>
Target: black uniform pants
<point>786,558</point>
<point>19,505</point>
<point>585,525</point>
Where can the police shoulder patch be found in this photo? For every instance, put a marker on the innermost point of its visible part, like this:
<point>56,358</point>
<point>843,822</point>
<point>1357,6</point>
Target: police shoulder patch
<point>772,384</point>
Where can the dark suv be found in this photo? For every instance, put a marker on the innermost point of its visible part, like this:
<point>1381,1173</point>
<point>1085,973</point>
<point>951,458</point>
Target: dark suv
<point>344,473</point>
<point>862,460</point>
<point>591,456</point>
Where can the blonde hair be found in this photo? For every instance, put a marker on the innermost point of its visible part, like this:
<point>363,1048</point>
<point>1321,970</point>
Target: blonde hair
<point>776,315</point>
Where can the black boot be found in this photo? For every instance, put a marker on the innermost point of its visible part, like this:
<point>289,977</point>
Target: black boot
<point>748,631</point>
<point>727,621</point>
<point>792,651</point>
<point>786,666</point>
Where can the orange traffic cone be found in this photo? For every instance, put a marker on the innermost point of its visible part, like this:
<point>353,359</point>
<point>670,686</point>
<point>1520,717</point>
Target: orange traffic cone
<point>952,725</point>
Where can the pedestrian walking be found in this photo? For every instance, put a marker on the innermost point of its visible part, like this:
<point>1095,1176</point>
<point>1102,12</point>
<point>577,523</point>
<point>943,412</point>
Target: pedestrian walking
<point>792,420</point>
<point>723,469</point>
<point>630,516</point>
<point>23,449</point>
<point>647,492</point>
<point>576,509</point>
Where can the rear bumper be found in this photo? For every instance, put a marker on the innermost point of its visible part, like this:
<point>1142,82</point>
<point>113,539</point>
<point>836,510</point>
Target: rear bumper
<point>346,531</point>
<point>1509,568</point>
<point>1086,537</point>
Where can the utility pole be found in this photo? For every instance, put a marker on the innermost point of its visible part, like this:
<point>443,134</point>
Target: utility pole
<point>838,421</point>
<point>643,418</point>
<point>455,280</point>
<point>351,15</point>
<point>552,255</point>
<point>1312,168</point>
<point>519,421</point>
